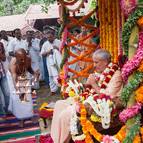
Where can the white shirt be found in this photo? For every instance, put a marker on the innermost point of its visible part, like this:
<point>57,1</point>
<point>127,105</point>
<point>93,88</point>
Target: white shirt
<point>34,52</point>
<point>16,44</point>
<point>52,59</point>
<point>5,44</point>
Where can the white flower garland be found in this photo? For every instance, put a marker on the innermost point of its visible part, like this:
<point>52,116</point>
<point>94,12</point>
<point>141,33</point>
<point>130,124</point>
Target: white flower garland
<point>74,86</point>
<point>102,108</point>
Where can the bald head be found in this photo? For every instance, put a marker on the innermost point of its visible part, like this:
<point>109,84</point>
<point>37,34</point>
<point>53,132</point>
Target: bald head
<point>20,52</point>
<point>20,55</point>
<point>101,59</point>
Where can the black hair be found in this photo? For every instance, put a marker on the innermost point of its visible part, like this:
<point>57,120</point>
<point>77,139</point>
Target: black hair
<point>17,29</point>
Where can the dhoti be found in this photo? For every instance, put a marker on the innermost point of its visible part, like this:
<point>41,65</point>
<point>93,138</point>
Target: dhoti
<point>20,110</point>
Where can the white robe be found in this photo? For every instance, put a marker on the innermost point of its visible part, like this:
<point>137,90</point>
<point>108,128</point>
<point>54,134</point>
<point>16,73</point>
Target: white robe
<point>53,62</point>
<point>21,110</point>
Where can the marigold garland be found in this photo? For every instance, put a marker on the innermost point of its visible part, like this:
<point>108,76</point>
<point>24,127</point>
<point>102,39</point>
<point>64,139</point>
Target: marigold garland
<point>88,129</point>
<point>109,27</point>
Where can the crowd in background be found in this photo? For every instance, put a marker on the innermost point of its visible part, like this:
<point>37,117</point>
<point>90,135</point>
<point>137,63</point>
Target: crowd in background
<point>41,48</point>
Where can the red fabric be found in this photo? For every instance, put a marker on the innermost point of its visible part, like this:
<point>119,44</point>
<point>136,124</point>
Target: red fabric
<point>79,141</point>
<point>44,113</point>
<point>45,139</point>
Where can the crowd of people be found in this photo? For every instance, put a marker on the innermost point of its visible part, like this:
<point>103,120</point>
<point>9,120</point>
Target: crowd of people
<point>24,61</point>
<point>27,59</point>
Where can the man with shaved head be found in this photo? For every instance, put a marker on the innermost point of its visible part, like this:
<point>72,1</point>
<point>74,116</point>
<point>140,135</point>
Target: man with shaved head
<point>20,86</point>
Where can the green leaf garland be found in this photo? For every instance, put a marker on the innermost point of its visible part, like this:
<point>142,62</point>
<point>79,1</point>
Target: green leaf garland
<point>65,57</point>
<point>134,130</point>
<point>131,22</point>
<point>131,86</point>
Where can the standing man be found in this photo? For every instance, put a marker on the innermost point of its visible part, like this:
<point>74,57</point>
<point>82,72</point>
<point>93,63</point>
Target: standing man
<point>5,39</point>
<point>42,41</point>
<point>3,83</point>
<point>34,52</point>
<point>50,50</point>
<point>17,43</point>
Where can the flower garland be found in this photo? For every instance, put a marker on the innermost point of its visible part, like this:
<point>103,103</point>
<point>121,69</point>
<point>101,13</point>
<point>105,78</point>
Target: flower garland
<point>87,127</point>
<point>128,6</point>
<point>110,139</point>
<point>76,89</point>
<point>104,78</point>
<point>88,130</point>
<point>131,86</point>
<point>131,21</point>
<point>139,95</point>
<point>130,112</point>
<point>102,106</point>
<point>132,64</point>
<point>134,130</point>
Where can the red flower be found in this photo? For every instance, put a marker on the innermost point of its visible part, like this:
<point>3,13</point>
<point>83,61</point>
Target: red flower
<point>107,79</point>
<point>115,67</point>
<point>103,86</point>
<point>111,73</point>
<point>79,141</point>
<point>59,80</point>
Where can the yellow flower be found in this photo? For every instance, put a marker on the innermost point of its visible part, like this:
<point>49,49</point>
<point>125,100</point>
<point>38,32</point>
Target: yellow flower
<point>95,118</point>
<point>71,93</point>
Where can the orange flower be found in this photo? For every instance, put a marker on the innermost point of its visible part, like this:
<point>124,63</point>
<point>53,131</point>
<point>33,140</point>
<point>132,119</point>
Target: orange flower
<point>137,139</point>
<point>141,67</point>
<point>140,21</point>
<point>139,95</point>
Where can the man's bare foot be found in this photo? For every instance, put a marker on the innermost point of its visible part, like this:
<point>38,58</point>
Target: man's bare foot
<point>21,123</point>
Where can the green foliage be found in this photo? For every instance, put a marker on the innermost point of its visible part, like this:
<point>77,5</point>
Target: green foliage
<point>65,57</point>
<point>9,7</point>
<point>131,22</point>
<point>131,86</point>
<point>134,130</point>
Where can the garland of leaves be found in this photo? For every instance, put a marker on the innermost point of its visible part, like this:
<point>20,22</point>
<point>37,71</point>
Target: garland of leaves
<point>65,57</point>
<point>131,86</point>
<point>134,130</point>
<point>131,21</point>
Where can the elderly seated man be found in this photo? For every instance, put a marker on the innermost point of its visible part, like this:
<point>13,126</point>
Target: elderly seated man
<point>107,79</point>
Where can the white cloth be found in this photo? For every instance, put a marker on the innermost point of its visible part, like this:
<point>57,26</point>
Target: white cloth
<point>20,110</point>
<point>34,52</point>
<point>5,44</point>
<point>6,65</point>
<point>53,60</point>
<point>16,44</point>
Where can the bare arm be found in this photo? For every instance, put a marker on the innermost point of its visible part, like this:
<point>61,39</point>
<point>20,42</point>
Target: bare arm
<point>13,70</point>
